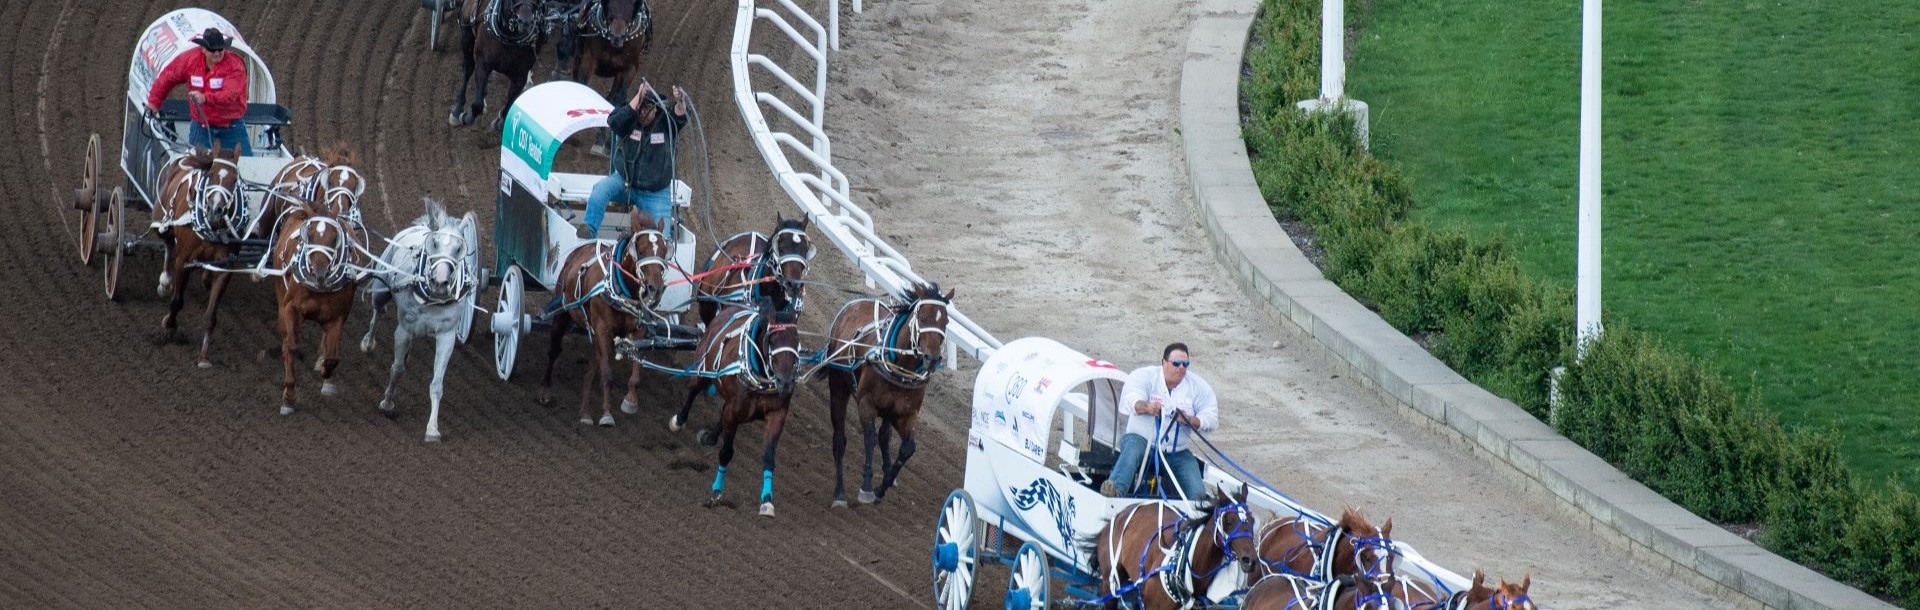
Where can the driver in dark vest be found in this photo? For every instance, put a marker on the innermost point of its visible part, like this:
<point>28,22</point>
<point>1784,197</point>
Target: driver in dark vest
<point>643,135</point>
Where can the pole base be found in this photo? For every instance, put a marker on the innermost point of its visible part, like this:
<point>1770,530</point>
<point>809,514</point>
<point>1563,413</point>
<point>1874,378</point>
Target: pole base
<point>1349,105</point>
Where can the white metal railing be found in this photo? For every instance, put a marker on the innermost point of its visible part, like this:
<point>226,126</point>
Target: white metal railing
<point>819,188</point>
<point>822,190</point>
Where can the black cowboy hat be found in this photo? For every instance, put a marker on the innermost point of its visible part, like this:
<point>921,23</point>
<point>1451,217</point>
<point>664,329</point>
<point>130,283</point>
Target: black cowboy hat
<point>213,40</point>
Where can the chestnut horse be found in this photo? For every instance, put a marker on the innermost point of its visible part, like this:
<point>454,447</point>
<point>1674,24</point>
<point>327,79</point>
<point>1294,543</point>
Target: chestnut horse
<point>613,35</point>
<point>608,287</point>
<point>1288,592</point>
<point>200,217</point>
<point>1320,552</point>
<point>501,36</point>
<point>318,260</point>
<point>753,355</point>
<point>750,266</point>
<point>316,178</point>
<point>1155,557</point>
<point>884,353</point>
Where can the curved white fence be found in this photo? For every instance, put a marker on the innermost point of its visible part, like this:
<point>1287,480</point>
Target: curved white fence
<point>821,191</point>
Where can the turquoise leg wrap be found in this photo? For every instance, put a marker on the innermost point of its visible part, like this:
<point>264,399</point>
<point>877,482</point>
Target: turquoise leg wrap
<point>766,486</point>
<point>719,479</point>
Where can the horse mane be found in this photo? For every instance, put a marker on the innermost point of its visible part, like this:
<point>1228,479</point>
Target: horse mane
<point>799,223</point>
<point>340,154</point>
<point>1352,521</point>
<point>200,159</point>
<point>436,216</point>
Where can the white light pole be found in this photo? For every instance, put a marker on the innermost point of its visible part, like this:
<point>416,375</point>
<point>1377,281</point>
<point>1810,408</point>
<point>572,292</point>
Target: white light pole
<point>1333,69</point>
<point>1587,284</point>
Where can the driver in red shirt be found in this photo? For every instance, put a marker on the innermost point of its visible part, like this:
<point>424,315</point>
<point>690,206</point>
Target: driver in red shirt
<point>216,83</point>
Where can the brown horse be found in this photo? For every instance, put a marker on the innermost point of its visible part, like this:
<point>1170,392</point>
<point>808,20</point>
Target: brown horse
<point>200,217</point>
<point>751,266</point>
<point>501,36</point>
<point>614,34</point>
<point>883,353</point>
<point>329,178</point>
<point>1320,552</point>
<point>606,287</point>
<point>1155,557</point>
<point>1288,592</point>
<point>753,355</point>
<point>316,255</point>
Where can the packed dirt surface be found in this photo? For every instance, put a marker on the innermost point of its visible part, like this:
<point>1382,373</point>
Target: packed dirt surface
<point>1027,153</point>
<point>128,477</point>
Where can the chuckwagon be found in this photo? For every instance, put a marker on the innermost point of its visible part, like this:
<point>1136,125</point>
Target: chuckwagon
<point>539,210</point>
<point>154,140</point>
<point>151,141</point>
<point>1046,420</point>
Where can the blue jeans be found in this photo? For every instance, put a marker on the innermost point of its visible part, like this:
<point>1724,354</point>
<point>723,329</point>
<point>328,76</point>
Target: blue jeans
<point>658,204</point>
<point>231,137</point>
<point>1133,451</point>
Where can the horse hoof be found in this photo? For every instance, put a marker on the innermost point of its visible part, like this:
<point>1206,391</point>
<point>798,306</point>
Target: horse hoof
<point>205,364</point>
<point>433,437</point>
<point>706,437</point>
<point>712,501</point>
<point>366,345</point>
<point>586,421</point>
<point>629,407</point>
<point>319,365</point>
<point>329,389</point>
<point>386,408</point>
<point>766,509</point>
<point>494,126</point>
<point>286,409</point>
<point>839,502</point>
<point>453,119</point>
<point>675,423</point>
<point>867,497</point>
<point>606,421</point>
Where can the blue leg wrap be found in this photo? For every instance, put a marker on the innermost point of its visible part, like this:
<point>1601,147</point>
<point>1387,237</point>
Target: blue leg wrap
<point>766,486</point>
<point>719,479</point>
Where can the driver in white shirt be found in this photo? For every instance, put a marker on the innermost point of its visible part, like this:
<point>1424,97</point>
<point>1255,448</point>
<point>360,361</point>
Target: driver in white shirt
<point>1169,403</point>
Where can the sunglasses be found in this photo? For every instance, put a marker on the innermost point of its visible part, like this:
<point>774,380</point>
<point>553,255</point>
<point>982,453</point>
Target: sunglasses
<point>1180,363</point>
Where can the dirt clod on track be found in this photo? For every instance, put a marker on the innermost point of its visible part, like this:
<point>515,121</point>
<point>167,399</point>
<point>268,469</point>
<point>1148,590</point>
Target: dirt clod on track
<point>130,478</point>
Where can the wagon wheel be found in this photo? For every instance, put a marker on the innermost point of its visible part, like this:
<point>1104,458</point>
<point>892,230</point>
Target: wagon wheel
<point>955,550</point>
<point>1027,587</point>
<point>473,263</point>
<point>86,201</point>
<point>116,236</point>
<point>509,321</point>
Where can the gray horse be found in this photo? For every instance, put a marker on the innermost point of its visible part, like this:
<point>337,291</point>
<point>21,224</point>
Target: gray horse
<point>425,272</point>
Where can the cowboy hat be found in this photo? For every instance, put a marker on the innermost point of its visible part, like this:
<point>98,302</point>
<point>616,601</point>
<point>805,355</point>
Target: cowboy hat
<point>213,40</point>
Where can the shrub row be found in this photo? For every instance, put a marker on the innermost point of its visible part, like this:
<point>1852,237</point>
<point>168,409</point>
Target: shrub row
<point>1661,417</point>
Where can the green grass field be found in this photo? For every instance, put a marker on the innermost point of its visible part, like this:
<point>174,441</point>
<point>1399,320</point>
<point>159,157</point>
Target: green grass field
<point>1760,176</point>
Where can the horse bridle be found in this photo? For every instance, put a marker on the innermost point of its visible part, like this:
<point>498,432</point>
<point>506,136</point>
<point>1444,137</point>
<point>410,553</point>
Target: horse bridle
<point>649,294</point>
<point>515,31</point>
<point>597,23</point>
<point>780,260</point>
<point>1379,573</point>
<point>336,275</point>
<point>206,191</point>
<point>460,281</point>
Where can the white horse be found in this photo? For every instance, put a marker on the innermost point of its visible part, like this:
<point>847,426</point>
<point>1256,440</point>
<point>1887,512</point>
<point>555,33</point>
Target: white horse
<point>425,272</point>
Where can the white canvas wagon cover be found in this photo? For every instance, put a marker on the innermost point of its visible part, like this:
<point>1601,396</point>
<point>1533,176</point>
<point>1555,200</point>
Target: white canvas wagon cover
<point>1020,385</point>
<point>172,35</point>
<point>542,118</point>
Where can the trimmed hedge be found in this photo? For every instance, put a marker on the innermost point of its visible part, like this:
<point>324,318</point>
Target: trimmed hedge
<point>1655,413</point>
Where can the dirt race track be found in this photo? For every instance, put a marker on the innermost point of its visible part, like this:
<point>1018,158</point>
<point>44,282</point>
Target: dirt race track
<point>130,478</point>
